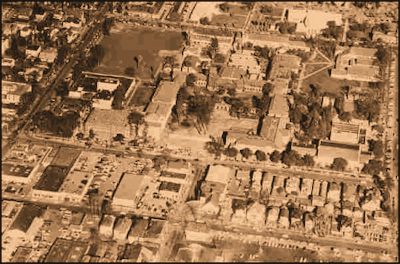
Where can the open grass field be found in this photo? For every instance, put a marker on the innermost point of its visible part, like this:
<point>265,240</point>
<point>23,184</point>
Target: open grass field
<point>65,157</point>
<point>142,96</point>
<point>323,80</point>
<point>122,47</point>
<point>234,21</point>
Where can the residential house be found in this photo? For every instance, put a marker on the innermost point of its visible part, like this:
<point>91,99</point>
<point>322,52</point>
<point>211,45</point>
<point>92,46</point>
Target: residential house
<point>334,192</point>
<point>256,214</point>
<point>284,217</point>
<point>11,92</point>
<point>272,214</point>
<point>33,50</point>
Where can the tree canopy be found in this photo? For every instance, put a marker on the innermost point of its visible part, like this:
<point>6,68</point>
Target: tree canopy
<point>339,164</point>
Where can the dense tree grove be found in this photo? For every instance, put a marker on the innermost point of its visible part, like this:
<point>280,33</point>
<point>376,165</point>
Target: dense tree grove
<point>314,120</point>
<point>59,125</point>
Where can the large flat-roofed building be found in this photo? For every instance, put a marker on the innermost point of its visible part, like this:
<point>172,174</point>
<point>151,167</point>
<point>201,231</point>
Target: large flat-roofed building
<point>159,110</point>
<point>48,55</point>
<point>344,132</point>
<point>11,92</point>
<point>107,123</point>
<point>357,64</point>
<point>274,131</point>
<point>122,228</point>
<point>127,189</point>
<point>279,107</point>
<point>329,150</point>
<point>23,162</point>
<point>107,226</point>
<point>219,174</point>
<point>61,184</point>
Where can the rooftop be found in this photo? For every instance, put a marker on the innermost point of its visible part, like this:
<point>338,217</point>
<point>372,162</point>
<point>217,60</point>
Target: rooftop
<point>219,174</point>
<point>269,128</point>
<point>15,88</point>
<point>12,169</point>
<point>128,186</point>
<point>26,216</point>
<point>166,92</point>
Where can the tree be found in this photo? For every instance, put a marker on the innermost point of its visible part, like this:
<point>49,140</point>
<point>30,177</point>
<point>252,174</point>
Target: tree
<point>230,152</point>
<point>130,71</point>
<point>219,58</point>
<point>246,152</point>
<point>373,167</point>
<point>275,156</point>
<point>308,160</point>
<point>91,134</point>
<point>79,136</point>
<point>119,97</point>
<point>345,116</point>
<point>376,146</point>
<point>138,59</point>
<point>213,48</point>
<point>204,21</point>
<point>119,137</point>
<point>260,155</point>
<point>339,164</point>
<point>382,55</point>
<point>158,161</point>
<point>61,54</point>
<point>378,128</point>
<point>215,146</point>
<point>291,157</point>
<point>108,22</point>
<point>136,118</point>
<point>224,7</point>
<point>191,79</point>
<point>25,101</point>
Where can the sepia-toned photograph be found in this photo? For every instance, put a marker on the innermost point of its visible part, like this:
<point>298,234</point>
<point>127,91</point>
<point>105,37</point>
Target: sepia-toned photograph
<point>199,131</point>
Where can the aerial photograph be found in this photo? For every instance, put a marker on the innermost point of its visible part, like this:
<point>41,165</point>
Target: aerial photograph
<point>199,131</point>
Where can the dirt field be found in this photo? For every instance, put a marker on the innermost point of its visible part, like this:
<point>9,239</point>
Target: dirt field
<point>122,47</point>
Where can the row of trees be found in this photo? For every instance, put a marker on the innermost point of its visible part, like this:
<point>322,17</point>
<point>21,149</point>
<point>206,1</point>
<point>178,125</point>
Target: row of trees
<point>288,157</point>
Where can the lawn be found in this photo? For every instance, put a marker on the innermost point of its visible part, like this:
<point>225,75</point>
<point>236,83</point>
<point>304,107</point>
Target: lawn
<point>142,96</point>
<point>234,21</point>
<point>122,47</point>
<point>328,84</point>
<point>65,157</point>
